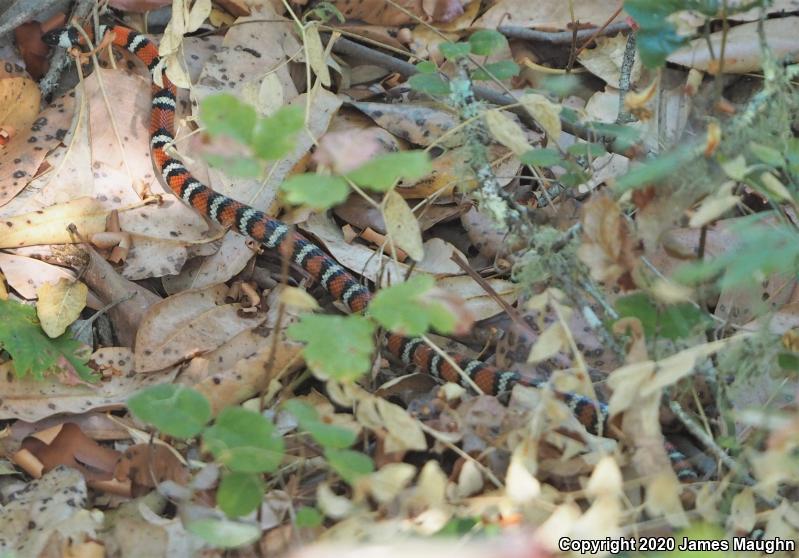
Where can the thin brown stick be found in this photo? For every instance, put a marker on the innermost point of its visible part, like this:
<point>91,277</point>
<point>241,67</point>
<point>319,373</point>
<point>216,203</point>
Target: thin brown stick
<point>562,37</point>
<point>602,27</point>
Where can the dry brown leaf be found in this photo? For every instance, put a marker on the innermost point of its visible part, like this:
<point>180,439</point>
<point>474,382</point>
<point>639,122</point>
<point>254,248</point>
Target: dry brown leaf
<point>547,14</point>
<point>27,275</point>
<point>49,225</point>
<point>743,53</point>
<point>417,124</point>
<point>188,324</point>
<point>507,132</point>
<point>605,60</point>
<point>608,246</point>
<point>68,445</point>
<point>21,157</point>
<point>146,465</point>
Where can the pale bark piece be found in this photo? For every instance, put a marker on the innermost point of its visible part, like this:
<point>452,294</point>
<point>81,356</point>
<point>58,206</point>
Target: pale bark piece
<point>547,14</point>
<point>186,325</point>
<point>60,497</point>
<point>230,259</point>
<point>33,400</point>
<point>742,53</point>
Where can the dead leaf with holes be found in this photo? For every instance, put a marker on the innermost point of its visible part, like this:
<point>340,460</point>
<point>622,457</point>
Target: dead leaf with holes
<point>22,156</point>
<point>34,400</point>
<point>60,496</point>
<point>60,304</point>
<point>49,225</point>
<point>416,123</point>
<point>188,324</point>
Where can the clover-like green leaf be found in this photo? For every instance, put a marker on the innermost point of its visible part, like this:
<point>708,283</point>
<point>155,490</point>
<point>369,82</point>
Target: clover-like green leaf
<point>404,309</point>
<point>173,409</point>
<point>315,190</point>
<point>381,173</point>
<point>240,493</point>
<point>336,347</point>
<point>244,441</point>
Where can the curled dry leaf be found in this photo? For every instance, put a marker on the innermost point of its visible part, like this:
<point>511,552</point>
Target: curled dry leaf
<point>608,246</point>
<point>60,304</point>
<point>545,112</point>
<point>188,324</point>
<point>146,465</point>
<point>605,60</point>
<point>506,131</point>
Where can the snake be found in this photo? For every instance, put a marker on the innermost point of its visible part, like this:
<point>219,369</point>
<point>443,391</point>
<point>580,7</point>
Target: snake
<point>273,234</point>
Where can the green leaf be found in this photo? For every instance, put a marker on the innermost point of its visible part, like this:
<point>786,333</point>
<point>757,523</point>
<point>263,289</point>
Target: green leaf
<point>224,114</point>
<point>349,464</point>
<point>315,190</point>
<point>504,69</point>
<point>326,435</point>
<point>768,155</point>
<point>176,410</point>
<point>453,51</point>
<point>426,67</point>
<point>224,533</point>
<point>656,37</point>
<point>32,351</point>
<point>432,84</point>
<point>244,441</point>
<point>246,167</point>
<point>337,347</point>
<point>275,135</point>
<point>404,308</point>
<point>487,41</point>
<point>583,149</point>
<point>381,173</point>
<point>656,169</point>
<point>788,361</point>
<point>240,493</point>
<point>542,157</point>
<point>308,517</point>
<point>673,321</point>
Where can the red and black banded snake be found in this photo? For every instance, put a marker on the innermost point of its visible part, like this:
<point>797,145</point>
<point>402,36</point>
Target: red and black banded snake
<point>275,235</point>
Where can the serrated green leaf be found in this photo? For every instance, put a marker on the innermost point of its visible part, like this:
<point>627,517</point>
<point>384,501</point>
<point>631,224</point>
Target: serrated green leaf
<point>32,351</point>
<point>326,435</point>
<point>308,517</point>
<point>343,356</point>
<point>430,83</point>
<point>224,114</point>
<point>315,190</point>
<point>244,441</point>
<point>542,157</point>
<point>453,51</point>
<point>487,41</point>
<point>240,493</point>
<point>404,309</point>
<point>274,136</point>
<point>224,533</point>
<point>504,69</point>
<point>176,410</point>
<point>381,173</point>
<point>349,464</point>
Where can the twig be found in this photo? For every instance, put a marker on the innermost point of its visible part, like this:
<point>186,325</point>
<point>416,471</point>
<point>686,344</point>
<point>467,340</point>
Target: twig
<point>19,12</point>
<point>625,78</point>
<point>562,37</point>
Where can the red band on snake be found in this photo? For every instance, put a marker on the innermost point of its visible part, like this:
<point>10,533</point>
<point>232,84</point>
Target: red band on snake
<point>275,235</point>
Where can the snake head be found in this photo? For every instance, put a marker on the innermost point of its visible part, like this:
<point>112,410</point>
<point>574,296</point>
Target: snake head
<point>65,37</point>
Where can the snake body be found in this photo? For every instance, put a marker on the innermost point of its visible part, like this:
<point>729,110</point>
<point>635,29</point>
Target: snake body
<point>276,235</point>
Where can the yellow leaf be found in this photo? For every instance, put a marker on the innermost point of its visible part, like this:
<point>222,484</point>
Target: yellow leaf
<point>775,187</point>
<point>59,305</point>
<point>520,486</point>
<point>316,54</point>
<point>742,512</point>
<point>331,504</point>
<point>470,479</point>
<point>506,131</point>
<point>548,344</point>
<point>606,479</point>
<point>545,112</point>
<point>389,481</point>
<point>298,299</point>
<point>431,488</point>
<point>404,430</point>
<point>663,498</point>
<point>402,226</point>
<point>49,225</point>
